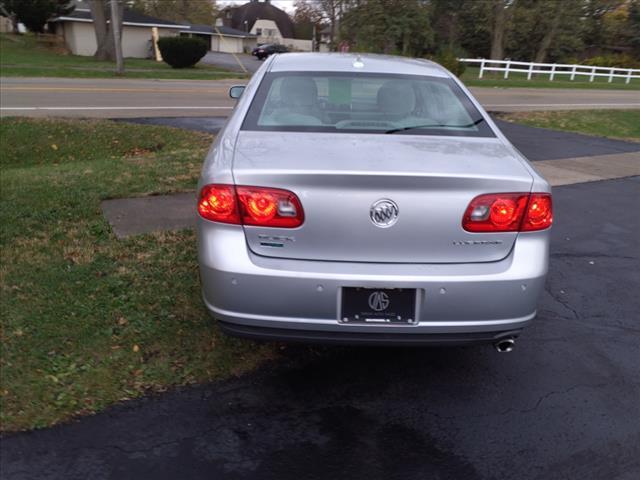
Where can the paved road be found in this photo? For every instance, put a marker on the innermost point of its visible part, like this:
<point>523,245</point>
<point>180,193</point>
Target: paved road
<point>108,98</point>
<point>113,98</point>
<point>564,405</point>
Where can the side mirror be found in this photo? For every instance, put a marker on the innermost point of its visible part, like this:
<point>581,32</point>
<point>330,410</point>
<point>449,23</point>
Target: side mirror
<point>236,91</point>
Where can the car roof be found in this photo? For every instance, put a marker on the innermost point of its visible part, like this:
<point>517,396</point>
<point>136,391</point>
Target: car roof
<point>355,62</point>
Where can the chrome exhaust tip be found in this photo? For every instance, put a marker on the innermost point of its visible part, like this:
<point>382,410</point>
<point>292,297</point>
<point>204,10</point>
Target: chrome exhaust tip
<point>505,345</point>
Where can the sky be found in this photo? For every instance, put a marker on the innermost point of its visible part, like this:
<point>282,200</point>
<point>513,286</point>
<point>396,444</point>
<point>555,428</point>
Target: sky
<point>286,5</point>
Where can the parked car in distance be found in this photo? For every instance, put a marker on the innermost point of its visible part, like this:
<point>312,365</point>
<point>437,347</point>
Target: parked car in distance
<point>369,199</point>
<point>263,51</point>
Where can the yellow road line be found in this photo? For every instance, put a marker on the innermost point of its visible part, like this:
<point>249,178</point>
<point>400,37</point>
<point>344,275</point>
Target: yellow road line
<point>221,40</point>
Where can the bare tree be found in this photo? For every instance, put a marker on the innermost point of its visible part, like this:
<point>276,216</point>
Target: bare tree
<point>105,39</point>
<point>331,11</point>
<point>192,11</point>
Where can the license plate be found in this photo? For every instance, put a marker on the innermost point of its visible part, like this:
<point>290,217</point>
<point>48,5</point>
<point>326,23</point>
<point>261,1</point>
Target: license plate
<point>378,305</point>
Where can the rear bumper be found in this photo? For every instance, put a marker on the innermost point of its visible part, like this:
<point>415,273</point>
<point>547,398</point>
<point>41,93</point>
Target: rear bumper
<point>363,338</point>
<point>274,298</point>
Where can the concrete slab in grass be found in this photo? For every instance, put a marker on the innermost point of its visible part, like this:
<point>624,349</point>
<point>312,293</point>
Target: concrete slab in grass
<point>134,216</point>
<point>589,169</point>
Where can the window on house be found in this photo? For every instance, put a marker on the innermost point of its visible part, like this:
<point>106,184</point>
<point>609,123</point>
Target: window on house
<point>258,31</point>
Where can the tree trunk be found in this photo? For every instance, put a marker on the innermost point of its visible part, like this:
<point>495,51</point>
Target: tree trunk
<point>453,31</point>
<point>101,29</point>
<point>549,37</point>
<point>499,24</point>
<point>14,24</point>
<point>104,35</point>
<point>116,24</point>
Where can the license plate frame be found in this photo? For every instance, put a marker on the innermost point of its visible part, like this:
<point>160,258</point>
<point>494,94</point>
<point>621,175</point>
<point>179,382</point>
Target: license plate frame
<point>376,306</point>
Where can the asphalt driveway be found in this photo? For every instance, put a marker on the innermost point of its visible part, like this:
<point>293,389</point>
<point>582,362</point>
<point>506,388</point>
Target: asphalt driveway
<point>230,62</point>
<point>565,404</point>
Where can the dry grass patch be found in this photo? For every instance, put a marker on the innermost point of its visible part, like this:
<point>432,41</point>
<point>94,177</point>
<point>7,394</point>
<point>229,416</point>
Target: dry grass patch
<point>88,320</point>
<point>618,124</point>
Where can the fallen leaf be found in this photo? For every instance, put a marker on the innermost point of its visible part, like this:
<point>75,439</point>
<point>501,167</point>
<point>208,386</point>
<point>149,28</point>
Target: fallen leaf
<point>136,348</point>
<point>54,146</point>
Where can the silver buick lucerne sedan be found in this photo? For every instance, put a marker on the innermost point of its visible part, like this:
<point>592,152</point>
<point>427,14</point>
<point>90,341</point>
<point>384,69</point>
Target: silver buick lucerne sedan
<point>369,199</point>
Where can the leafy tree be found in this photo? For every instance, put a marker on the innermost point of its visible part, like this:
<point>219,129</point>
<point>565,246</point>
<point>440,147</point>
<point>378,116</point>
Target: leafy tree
<point>36,13</point>
<point>389,26</point>
<point>612,26</point>
<point>593,28</point>
<point>190,11</point>
<point>543,31</point>
<point>634,27</point>
<point>445,21</point>
<point>616,27</point>
<point>474,34</point>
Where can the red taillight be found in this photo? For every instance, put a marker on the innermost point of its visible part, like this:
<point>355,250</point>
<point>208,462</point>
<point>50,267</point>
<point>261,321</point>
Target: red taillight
<point>270,207</point>
<point>259,206</point>
<point>218,203</point>
<point>539,212</point>
<point>508,212</point>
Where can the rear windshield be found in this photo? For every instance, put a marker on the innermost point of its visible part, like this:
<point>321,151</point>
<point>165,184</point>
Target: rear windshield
<point>364,103</point>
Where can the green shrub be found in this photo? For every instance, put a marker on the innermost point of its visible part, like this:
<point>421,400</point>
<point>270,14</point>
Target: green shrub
<point>620,60</point>
<point>448,58</point>
<point>182,52</point>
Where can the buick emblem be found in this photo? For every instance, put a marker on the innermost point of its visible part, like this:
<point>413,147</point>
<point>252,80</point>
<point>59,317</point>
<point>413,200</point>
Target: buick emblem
<point>378,301</point>
<point>384,213</point>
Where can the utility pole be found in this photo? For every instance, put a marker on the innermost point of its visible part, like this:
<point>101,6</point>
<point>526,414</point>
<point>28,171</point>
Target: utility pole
<point>313,39</point>
<point>117,43</point>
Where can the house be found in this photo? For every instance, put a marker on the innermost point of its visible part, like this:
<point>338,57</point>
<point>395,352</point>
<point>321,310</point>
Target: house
<point>223,39</point>
<point>6,25</point>
<point>79,36</point>
<point>267,22</point>
<point>325,39</point>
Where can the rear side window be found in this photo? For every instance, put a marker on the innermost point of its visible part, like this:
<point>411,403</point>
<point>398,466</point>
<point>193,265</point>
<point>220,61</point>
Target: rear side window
<point>365,103</point>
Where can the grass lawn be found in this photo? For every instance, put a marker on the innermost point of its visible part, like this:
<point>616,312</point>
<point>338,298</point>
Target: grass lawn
<point>495,79</point>
<point>24,56</point>
<point>88,320</point>
<point>621,124</point>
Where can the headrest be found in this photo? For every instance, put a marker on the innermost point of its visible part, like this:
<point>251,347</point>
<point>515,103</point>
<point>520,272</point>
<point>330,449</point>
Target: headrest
<point>396,98</point>
<point>299,91</point>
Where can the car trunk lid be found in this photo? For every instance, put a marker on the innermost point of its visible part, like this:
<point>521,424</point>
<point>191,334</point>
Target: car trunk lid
<point>339,177</point>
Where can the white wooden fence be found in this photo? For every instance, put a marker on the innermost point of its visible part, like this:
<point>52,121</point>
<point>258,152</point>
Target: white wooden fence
<point>551,69</point>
